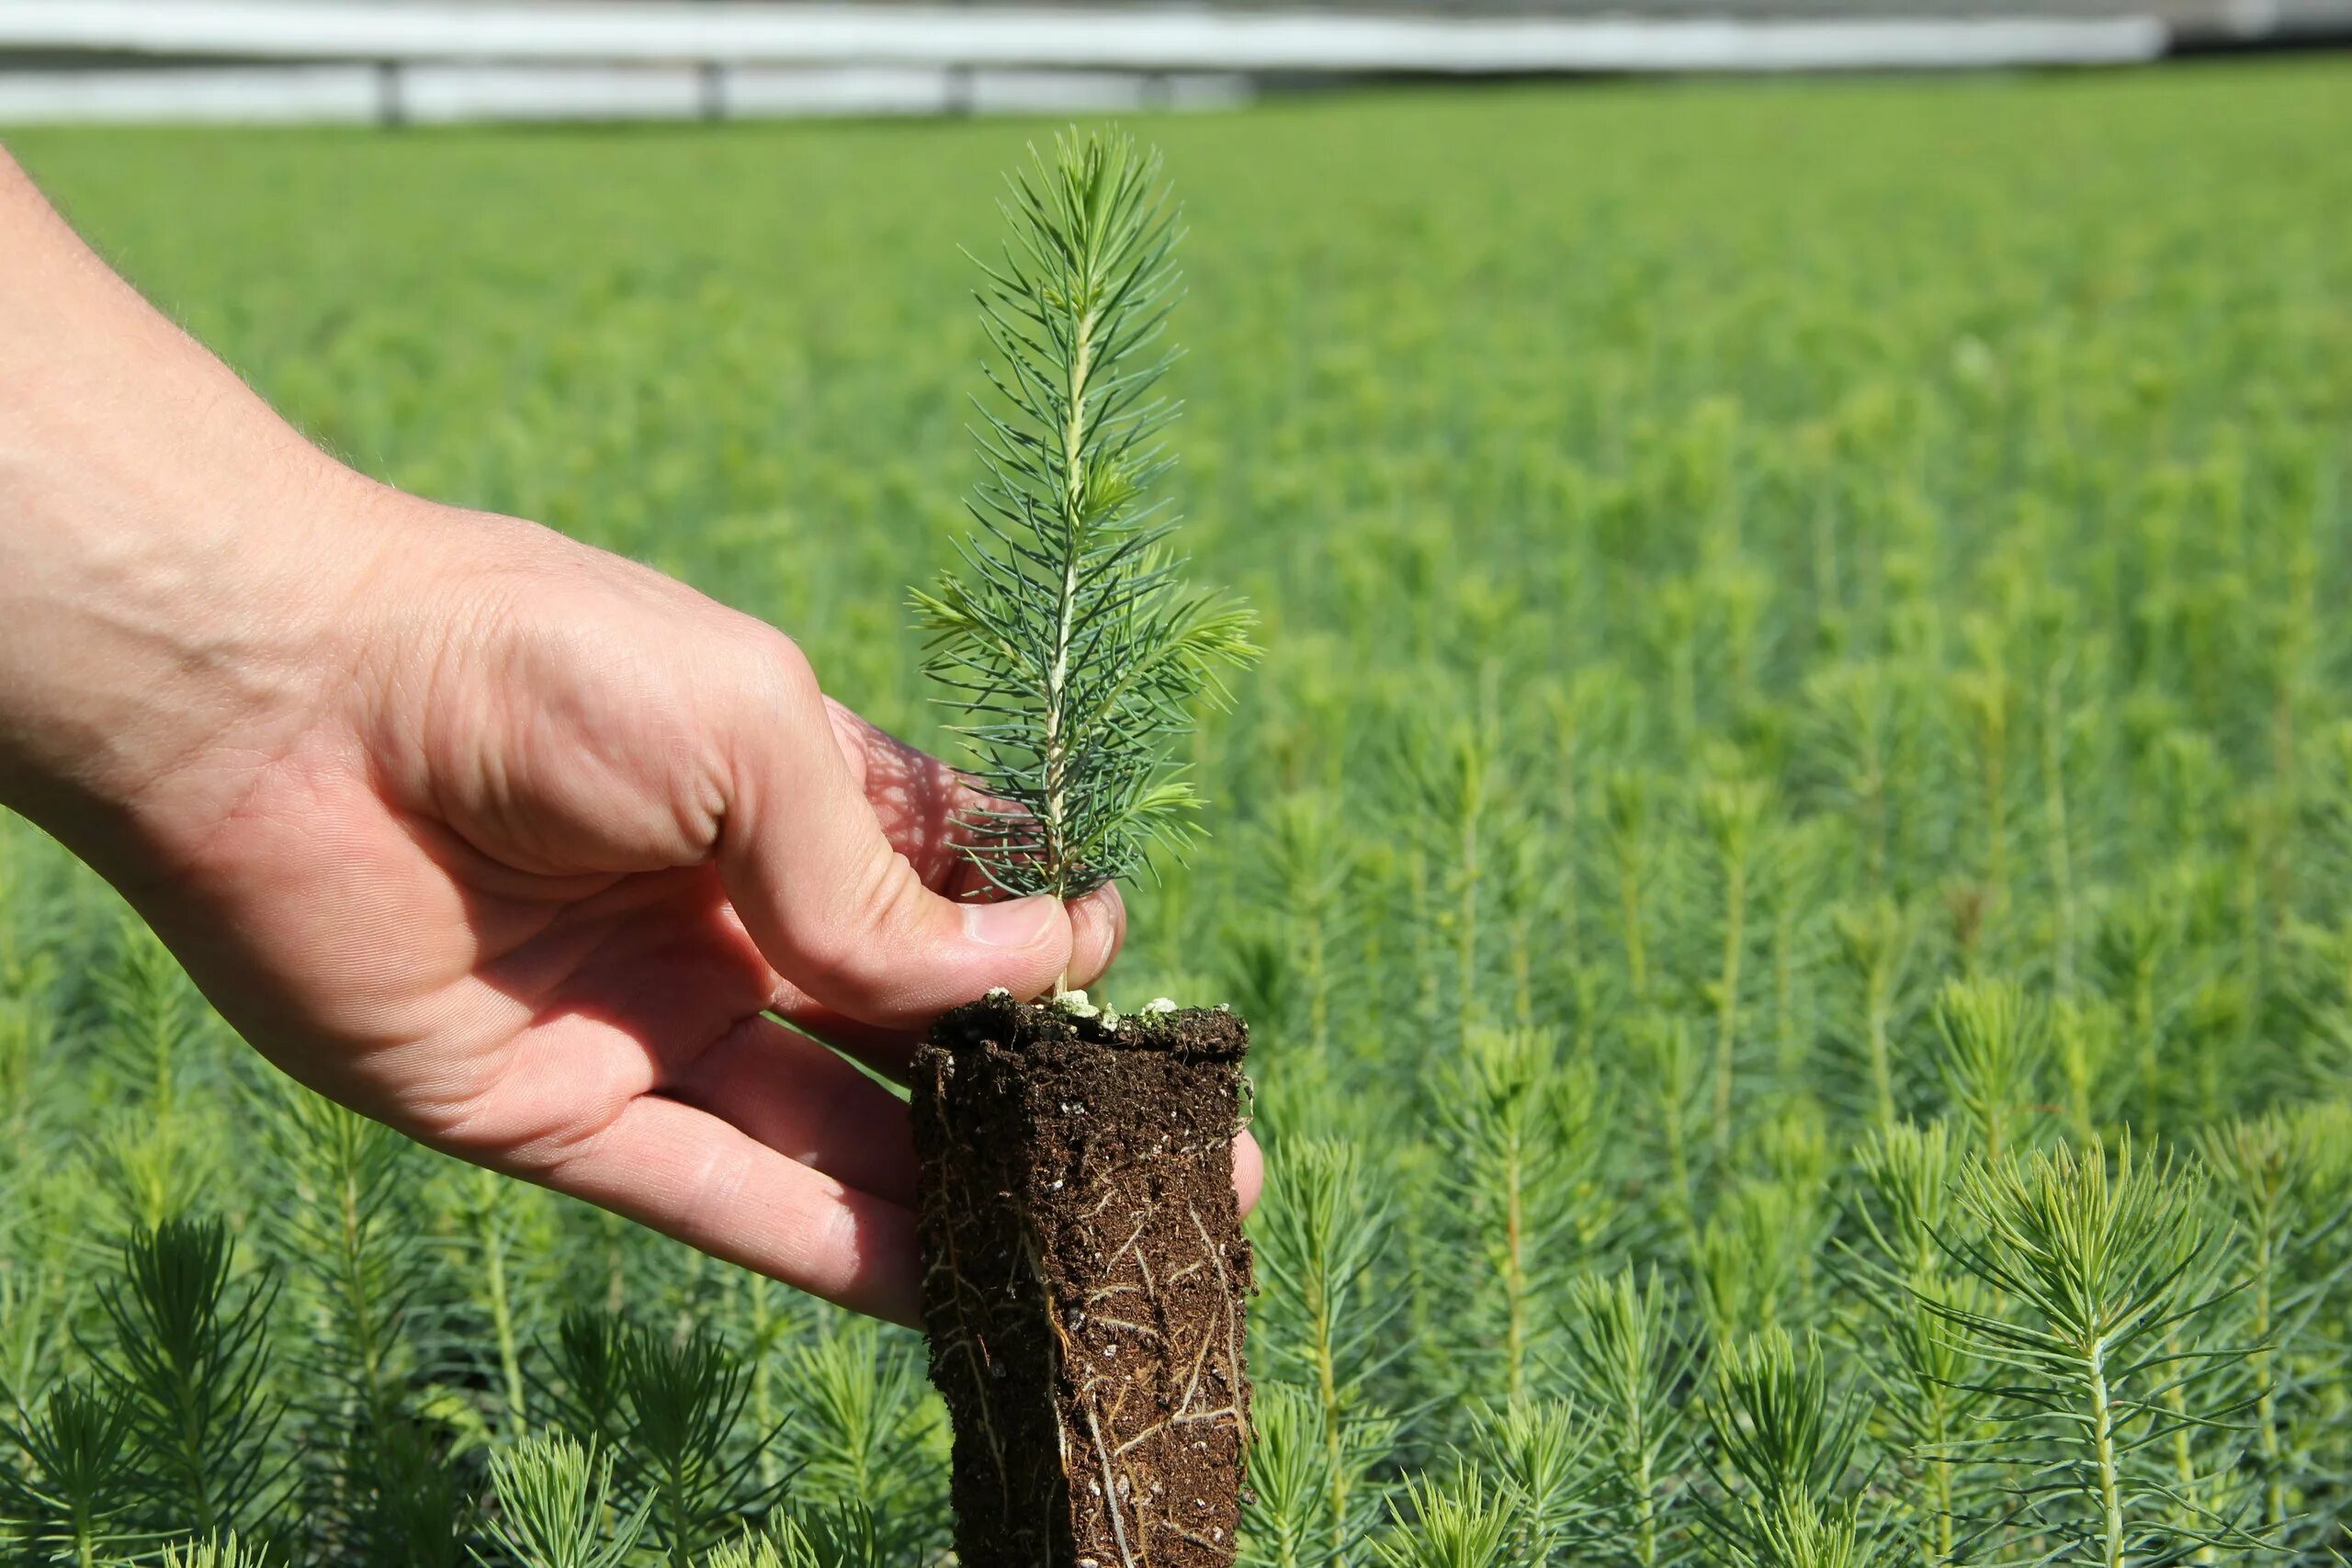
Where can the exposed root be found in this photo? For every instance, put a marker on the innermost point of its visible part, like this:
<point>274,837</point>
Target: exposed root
<point>1127,1559</point>
<point>1098,1359</point>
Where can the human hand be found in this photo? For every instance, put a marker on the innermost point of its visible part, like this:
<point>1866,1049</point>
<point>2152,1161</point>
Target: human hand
<point>514,845</point>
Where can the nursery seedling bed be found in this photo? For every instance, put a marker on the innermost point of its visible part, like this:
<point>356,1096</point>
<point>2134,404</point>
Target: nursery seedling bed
<point>1086,1281</point>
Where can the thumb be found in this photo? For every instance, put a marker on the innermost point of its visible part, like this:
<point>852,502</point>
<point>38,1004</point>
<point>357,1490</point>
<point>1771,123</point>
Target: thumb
<point>837,910</point>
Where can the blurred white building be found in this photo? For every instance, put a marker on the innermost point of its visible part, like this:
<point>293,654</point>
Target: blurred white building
<point>399,60</point>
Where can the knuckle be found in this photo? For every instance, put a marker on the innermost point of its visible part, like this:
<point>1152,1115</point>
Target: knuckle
<point>772,664</point>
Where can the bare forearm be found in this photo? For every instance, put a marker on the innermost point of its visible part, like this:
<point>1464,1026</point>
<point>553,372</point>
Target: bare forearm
<point>166,553</point>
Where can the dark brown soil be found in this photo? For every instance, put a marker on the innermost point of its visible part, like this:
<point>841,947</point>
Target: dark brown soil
<point>1085,1282</point>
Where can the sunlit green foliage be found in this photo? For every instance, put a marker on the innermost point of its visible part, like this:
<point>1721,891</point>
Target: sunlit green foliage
<point>1802,716</point>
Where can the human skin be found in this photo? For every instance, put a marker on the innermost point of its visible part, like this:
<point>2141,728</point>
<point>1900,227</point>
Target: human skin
<point>527,851</point>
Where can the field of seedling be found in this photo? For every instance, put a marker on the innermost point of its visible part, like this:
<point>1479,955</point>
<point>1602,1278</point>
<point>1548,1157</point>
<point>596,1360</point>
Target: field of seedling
<point>1787,859</point>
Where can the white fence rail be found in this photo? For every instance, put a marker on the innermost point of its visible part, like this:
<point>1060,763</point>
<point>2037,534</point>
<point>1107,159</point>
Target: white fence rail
<point>432,93</point>
<point>439,60</point>
<point>1011,36</point>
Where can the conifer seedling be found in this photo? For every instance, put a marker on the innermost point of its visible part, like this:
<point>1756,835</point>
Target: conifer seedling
<point>1085,1269</point>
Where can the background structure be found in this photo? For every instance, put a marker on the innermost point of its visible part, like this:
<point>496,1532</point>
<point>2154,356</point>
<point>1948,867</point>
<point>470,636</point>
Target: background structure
<point>399,60</point>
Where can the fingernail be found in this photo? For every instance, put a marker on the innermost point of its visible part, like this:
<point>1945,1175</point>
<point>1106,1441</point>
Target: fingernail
<point>1020,922</point>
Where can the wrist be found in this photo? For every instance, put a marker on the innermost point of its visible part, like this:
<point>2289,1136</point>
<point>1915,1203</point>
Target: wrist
<point>173,608</point>
<point>174,558</point>
<point>148,648</point>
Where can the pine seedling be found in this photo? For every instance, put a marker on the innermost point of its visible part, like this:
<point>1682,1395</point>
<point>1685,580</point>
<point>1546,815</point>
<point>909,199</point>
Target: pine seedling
<point>1800,940</point>
<point>23,1039</point>
<point>1523,1131</point>
<point>145,1166</point>
<point>668,1413</point>
<point>1668,1064</point>
<point>684,1454</point>
<point>1068,642</point>
<point>2086,1040</point>
<point>1462,1523</point>
<point>1673,630</point>
<point>1732,817</point>
<point>150,1153</point>
<point>1753,1254</point>
<point>863,1434</point>
<point>495,1214</point>
<point>2136,942</point>
<point>1985,700</point>
<point>2060,728</point>
<point>1627,1363</point>
<point>1797,1161</point>
<point>1536,1452</point>
<point>1288,1521</point>
<point>556,1509</point>
<point>588,1397</point>
<point>413,1506</point>
<point>2106,1277</point>
<point>357,1268</point>
<point>221,1551</point>
<point>1931,1387</point>
<point>768,1318</point>
<point>67,1486</point>
<point>1632,853</point>
<point>37,1309</point>
<point>1995,1048</point>
<point>1802,1533</point>
<point>188,1357</point>
<point>151,1017</point>
<point>1078,659</point>
<point>841,1536</point>
<point>1307,862</point>
<point>1590,715</point>
<point>1453,799</point>
<point>1874,945</point>
<point>1532,872</point>
<point>352,1254</point>
<point>1778,1433</point>
<point>2269,1174</point>
<point>1329,1321</point>
<point>1784,1451</point>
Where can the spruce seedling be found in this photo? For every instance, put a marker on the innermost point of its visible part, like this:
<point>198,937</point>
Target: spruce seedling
<point>1086,1274</point>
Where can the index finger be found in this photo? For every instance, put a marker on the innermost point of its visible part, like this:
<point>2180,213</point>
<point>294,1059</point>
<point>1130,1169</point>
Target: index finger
<point>921,803</point>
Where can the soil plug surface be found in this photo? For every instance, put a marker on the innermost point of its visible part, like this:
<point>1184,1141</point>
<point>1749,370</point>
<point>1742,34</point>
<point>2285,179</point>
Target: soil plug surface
<point>1086,1281</point>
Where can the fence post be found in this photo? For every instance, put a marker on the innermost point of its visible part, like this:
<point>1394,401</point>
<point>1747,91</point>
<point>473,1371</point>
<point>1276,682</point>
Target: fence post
<point>391,107</point>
